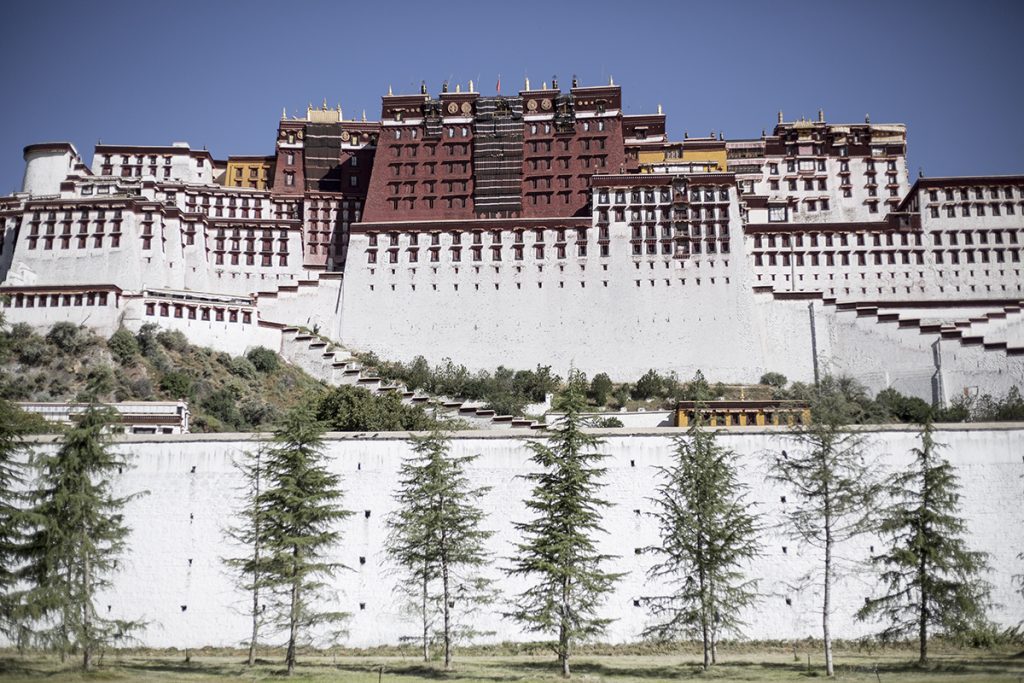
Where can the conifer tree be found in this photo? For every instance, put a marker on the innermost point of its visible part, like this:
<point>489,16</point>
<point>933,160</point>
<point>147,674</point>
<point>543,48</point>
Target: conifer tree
<point>559,552</point>
<point>834,486</point>
<point>300,506</point>
<point>435,537</point>
<point>707,535</point>
<point>932,579</point>
<point>250,532</point>
<point>13,452</point>
<point>77,533</point>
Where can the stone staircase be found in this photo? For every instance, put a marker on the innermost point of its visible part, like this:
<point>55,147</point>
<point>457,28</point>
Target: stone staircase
<point>995,325</point>
<point>335,366</point>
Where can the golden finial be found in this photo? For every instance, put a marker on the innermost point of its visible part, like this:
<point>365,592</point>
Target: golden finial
<point>458,87</point>
<point>284,113</point>
<point>527,83</point>
<point>389,90</point>
<point>611,80</point>
<point>659,109</point>
<point>471,85</point>
<point>364,115</point>
<point>324,105</point>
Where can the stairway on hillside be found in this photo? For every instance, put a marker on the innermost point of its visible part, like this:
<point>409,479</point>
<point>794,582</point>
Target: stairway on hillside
<point>335,366</point>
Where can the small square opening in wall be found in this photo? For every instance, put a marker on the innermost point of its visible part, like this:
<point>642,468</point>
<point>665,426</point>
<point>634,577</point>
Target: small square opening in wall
<point>638,551</point>
<point>362,605</point>
<point>366,514</point>
<point>362,559</point>
<point>632,463</point>
<point>782,499</point>
<point>785,550</point>
<point>451,604</point>
<point>789,601</point>
<point>184,607</point>
<point>636,603</point>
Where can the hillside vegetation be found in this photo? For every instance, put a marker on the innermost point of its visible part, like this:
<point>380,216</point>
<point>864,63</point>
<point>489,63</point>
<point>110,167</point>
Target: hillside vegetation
<point>225,393</point>
<point>238,393</point>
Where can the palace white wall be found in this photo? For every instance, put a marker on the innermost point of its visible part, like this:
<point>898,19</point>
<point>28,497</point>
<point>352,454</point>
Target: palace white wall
<point>172,575</point>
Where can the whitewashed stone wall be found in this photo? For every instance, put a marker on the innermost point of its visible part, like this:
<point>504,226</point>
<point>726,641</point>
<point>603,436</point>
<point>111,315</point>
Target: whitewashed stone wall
<point>173,576</point>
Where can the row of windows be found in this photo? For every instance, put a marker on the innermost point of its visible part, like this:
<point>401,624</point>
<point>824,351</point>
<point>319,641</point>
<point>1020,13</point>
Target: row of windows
<point>993,209</point>
<point>476,254</point>
<point>266,246</point>
<point>842,239</point>
<point>234,257</point>
<point>477,237</point>
<point>964,193</point>
<point>861,258</point>
<point>231,315</point>
<point>80,242</point>
<point>968,237</point>
<point>54,300</point>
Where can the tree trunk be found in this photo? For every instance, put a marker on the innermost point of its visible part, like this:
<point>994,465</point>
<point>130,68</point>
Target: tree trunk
<point>923,617</point>
<point>426,622</point>
<point>827,602</point>
<point>446,594</point>
<point>256,565</point>
<point>86,620</point>
<point>702,592</point>
<point>563,630</point>
<point>293,618</point>
<point>255,625</point>
<point>447,617</point>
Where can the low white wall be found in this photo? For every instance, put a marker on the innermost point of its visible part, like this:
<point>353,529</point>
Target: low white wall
<point>173,577</point>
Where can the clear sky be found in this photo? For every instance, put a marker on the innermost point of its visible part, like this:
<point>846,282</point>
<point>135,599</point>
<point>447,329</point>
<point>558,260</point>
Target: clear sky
<point>217,73</point>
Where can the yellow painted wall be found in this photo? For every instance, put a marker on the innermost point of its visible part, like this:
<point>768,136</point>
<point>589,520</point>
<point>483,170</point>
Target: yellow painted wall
<point>232,178</point>
<point>652,157</point>
<point>713,155</point>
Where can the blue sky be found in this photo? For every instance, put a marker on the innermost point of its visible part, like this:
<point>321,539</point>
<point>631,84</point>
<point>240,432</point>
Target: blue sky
<point>217,73</point>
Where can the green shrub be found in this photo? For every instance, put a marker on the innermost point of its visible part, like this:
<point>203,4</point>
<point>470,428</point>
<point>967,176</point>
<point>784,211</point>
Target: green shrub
<point>123,346</point>
<point>774,379</point>
<point>263,359</point>
<point>607,422</point>
<point>69,338</point>
<point>223,405</point>
<point>650,385</point>
<point>902,408</point>
<point>256,412</point>
<point>621,394</point>
<point>174,340</point>
<point>176,384</point>
<point>34,351</point>
<point>147,339</point>
<point>347,408</point>
<point>697,389</point>
<point>600,388</point>
<point>242,367</point>
<point>141,389</point>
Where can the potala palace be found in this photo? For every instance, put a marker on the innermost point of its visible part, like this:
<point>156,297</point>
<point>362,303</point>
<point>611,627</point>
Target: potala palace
<point>545,227</point>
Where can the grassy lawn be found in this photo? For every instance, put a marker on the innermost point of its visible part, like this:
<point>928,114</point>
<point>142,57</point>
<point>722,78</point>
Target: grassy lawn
<point>742,664</point>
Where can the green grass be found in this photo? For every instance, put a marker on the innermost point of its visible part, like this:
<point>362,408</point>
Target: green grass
<point>737,664</point>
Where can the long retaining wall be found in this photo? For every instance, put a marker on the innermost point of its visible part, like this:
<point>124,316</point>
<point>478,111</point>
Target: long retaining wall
<point>172,575</point>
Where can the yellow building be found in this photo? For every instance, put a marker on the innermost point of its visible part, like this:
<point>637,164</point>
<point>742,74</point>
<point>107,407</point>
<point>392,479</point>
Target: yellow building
<point>743,413</point>
<point>249,171</point>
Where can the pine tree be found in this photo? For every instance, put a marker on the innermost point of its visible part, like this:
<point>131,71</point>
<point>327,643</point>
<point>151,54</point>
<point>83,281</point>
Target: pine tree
<point>559,550</point>
<point>931,578</point>
<point>13,452</point>
<point>707,535</point>
<point>77,533</point>
<point>835,489</point>
<point>435,537</point>
<point>249,532</point>
<point>301,508</point>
